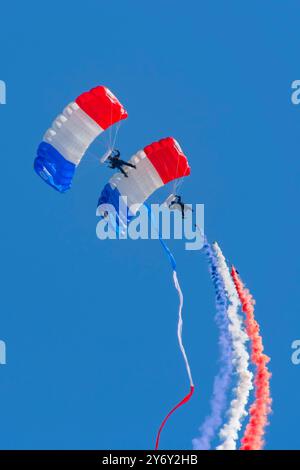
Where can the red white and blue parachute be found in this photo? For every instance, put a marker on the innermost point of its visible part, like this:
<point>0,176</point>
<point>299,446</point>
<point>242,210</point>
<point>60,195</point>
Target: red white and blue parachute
<point>155,165</point>
<point>58,155</point>
<point>72,132</point>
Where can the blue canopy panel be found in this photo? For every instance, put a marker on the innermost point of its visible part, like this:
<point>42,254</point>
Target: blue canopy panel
<point>53,167</point>
<point>111,196</point>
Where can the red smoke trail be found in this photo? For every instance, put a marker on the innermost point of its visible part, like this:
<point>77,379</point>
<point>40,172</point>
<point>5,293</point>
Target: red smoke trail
<point>185,400</point>
<point>255,430</point>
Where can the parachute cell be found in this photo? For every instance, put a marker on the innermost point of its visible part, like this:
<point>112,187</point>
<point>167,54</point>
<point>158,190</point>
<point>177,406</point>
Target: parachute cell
<point>72,132</point>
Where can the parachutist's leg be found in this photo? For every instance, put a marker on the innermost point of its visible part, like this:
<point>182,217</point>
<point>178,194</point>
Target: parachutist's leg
<point>123,172</point>
<point>129,164</point>
<point>182,210</point>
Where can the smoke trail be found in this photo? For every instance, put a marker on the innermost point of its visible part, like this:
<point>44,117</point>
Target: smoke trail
<point>237,410</point>
<point>179,329</point>
<point>179,334</point>
<point>253,438</point>
<point>222,380</point>
<point>182,349</point>
<point>180,320</point>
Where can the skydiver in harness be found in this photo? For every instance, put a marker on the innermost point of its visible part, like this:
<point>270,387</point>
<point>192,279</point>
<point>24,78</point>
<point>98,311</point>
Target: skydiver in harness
<point>177,201</point>
<point>116,162</point>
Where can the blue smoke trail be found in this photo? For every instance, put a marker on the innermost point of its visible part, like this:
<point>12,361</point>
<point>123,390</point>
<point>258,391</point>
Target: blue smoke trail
<point>223,378</point>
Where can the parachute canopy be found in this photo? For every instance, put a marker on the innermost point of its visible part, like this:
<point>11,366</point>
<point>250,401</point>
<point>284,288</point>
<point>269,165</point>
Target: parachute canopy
<point>156,165</point>
<point>72,132</point>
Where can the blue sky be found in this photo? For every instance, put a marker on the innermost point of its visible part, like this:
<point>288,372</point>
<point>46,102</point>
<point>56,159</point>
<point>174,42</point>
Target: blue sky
<point>91,368</point>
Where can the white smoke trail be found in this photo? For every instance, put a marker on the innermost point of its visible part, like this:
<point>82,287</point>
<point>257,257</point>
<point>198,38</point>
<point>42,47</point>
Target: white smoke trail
<point>237,411</point>
<point>179,328</point>
<point>179,335</point>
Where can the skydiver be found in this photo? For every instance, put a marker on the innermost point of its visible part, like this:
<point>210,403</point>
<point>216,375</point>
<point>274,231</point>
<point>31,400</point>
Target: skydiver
<point>116,162</point>
<point>177,201</point>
